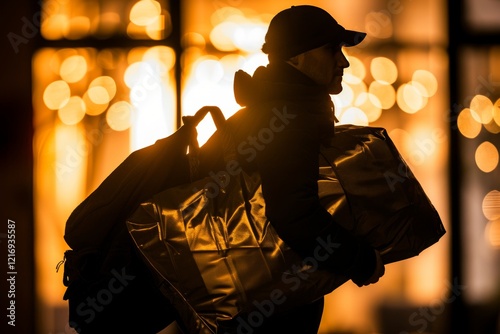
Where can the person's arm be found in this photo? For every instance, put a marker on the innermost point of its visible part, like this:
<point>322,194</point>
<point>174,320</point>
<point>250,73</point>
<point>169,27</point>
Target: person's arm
<point>289,169</point>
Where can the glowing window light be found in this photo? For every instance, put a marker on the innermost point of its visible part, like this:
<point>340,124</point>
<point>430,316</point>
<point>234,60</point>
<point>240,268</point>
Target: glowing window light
<point>492,232</point>
<point>491,205</point>
<point>73,68</point>
<point>385,94</point>
<point>155,29</point>
<point>56,95</point>
<point>356,72</point>
<point>483,108</point>
<point>345,97</point>
<point>227,13</point>
<point>427,82</point>
<point>209,71</point>
<point>145,12</point>
<point>108,24</point>
<point>409,99</point>
<point>102,90</point>
<point>73,112</point>
<point>222,36</point>
<point>93,109</point>
<point>486,157</point>
<point>78,27</point>
<point>55,26</point>
<point>253,61</point>
<point>467,124</point>
<point>231,63</point>
<point>353,116</point>
<point>153,102</point>
<point>249,37</point>
<point>365,102</point>
<point>163,56</point>
<point>384,70</point>
<point>359,88</point>
<point>119,116</point>
<point>496,112</point>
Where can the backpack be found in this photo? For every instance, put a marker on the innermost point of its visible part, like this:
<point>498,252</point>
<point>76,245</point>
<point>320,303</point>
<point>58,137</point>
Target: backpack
<point>109,288</point>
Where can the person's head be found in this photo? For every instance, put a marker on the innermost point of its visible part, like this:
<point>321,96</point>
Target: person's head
<point>311,40</point>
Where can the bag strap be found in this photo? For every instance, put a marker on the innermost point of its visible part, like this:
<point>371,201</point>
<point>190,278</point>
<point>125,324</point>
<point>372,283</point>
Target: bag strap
<point>194,147</point>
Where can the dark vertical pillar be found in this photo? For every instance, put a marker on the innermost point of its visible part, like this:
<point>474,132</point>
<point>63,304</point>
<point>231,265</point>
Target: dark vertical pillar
<point>175,43</point>
<point>19,28</point>
<point>458,321</point>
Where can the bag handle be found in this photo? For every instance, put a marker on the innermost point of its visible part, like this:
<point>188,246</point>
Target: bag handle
<point>192,122</point>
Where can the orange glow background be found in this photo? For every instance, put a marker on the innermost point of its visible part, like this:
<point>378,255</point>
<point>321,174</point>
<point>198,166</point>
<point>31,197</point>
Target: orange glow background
<point>93,105</point>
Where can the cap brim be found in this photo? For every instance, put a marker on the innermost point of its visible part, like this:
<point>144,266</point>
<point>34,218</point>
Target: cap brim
<point>352,38</point>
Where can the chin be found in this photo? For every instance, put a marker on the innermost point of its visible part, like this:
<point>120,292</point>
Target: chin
<point>335,90</point>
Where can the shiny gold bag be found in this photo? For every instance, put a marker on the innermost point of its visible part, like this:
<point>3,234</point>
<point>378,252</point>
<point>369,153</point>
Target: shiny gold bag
<point>221,261</point>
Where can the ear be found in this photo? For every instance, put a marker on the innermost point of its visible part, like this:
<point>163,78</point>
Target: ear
<point>296,61</point>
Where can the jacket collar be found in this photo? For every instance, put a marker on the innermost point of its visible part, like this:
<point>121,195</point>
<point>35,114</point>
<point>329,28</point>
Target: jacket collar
<point>279,81</point>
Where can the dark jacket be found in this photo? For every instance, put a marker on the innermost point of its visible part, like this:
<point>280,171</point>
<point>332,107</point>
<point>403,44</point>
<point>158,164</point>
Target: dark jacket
<point>279,133</point>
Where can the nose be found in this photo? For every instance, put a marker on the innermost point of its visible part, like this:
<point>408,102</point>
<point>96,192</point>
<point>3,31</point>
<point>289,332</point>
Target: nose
<point>342,60</point>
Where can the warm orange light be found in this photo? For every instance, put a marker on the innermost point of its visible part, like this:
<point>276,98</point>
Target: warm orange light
<point>73,112</point>
<point>492,232</point>
<point>409,98</point>
<point>385,94</point>
<point>55,26</point>
<point>486,157</point>
<point>483,108</point>
<point>102,90</point>
<point>384,70</point>
<point>496,112</point>
<point>425,82</point>
<point>370,105</point>
<point>491,205</point>
<point>93,109</point>
<point>356,72</point>
<point>467,124</point>
<point>353,115</point>
<point>119,116</point>
<point>145,12</point>
<point>56,95</point>
<point>73,68</point>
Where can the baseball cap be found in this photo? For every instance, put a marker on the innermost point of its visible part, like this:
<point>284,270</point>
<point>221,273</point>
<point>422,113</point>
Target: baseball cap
<point>302,28</point>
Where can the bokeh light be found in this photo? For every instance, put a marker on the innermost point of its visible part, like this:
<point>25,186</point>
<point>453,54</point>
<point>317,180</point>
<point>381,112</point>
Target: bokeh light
<point>383,70</point>
<point>56,95</point>
<point>73,68</point>
<point>491,205</point>
<point>102,90</point>
<point>119,116</point>
<point>356,72</point>
<point>492,232</point>
<point>73,111</point>
<point>409,99</point>
<point>486,157</point>
<point>425,82</point>
<point>496,112</point>
<point>483,108</point>
<point>467,124</point>
<point>353,115</point>
<point>145,12</point>
<point>385,94</point>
